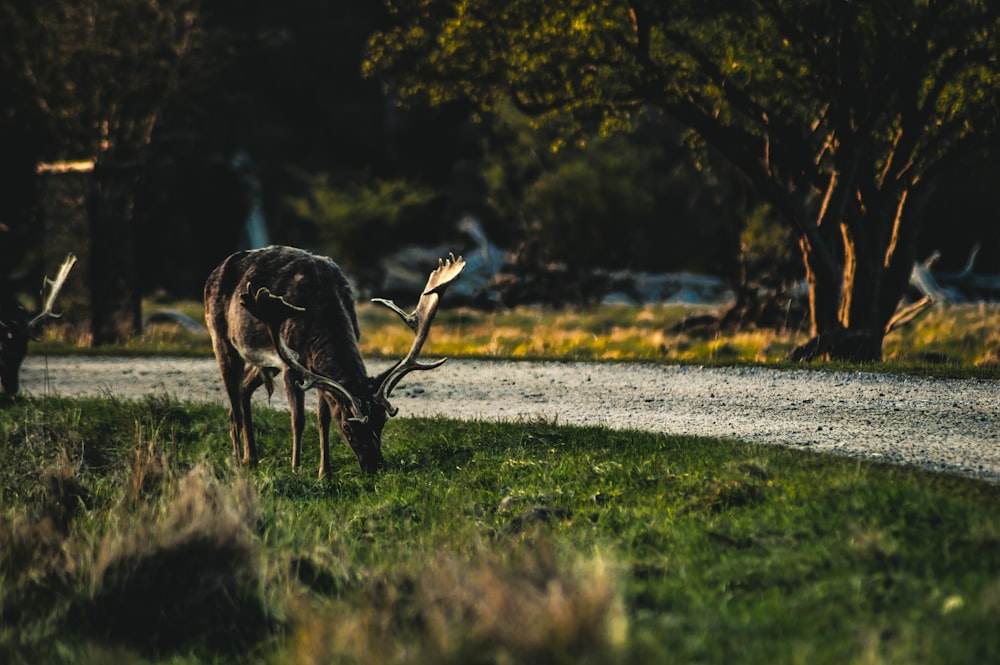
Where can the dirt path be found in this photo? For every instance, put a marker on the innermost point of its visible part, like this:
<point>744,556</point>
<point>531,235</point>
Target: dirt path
<point>945,425</point>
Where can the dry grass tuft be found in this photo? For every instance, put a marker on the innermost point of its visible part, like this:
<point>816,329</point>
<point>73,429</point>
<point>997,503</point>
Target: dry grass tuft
<point>38,560</point>
<point>150,473</point>
<point>184,571</point>
<point>64,493</point>
<point>522,609</point>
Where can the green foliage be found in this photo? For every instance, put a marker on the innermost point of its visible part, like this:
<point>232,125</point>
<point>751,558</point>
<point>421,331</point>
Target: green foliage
<point>768,252</point>
<point>570,209</point>
<point>765,241</point>
<point>640,199</point>
<point>126,533</point>
<point>359,221</point>
<point>537,51</point>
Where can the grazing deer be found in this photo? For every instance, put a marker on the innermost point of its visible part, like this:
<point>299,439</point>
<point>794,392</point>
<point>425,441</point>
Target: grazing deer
<point>309,333</point>
<point>17,328</point>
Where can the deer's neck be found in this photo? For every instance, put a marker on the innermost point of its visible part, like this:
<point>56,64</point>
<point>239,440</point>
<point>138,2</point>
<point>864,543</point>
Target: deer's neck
<point>333,353</point>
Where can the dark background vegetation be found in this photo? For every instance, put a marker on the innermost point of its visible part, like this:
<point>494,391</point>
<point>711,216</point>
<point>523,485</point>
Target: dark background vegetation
<point>266,105</point>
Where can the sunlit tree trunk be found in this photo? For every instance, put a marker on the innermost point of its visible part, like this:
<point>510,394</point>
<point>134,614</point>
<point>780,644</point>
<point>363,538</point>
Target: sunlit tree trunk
<point>853,305</point>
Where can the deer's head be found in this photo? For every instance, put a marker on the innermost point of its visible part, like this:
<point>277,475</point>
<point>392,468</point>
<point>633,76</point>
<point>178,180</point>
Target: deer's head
<point>362,428</point>
<point>17,328</point>
<point>14,335</point>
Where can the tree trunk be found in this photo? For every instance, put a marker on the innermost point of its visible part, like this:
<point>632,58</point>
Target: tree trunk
<point>824,291</point>
<point>835,338</point>
<point>852,309</point>
<point>116,307</point>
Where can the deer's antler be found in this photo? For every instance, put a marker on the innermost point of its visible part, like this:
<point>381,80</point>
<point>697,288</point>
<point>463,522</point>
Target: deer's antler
<point>272,311</point>
<point>419,320</point>
<point>54,286</point>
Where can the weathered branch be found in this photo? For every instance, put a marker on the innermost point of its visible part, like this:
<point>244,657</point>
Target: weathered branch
<point>907,314</point>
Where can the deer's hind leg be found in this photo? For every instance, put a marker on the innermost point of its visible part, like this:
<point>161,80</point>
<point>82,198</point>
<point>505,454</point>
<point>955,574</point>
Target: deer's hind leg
<point>234,374</point>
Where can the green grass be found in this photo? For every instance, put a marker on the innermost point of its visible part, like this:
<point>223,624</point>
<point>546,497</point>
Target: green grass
<point>127,535</point>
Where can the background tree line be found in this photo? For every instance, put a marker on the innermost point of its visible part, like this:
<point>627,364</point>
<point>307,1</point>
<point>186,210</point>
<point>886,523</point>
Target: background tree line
<point>712,137</point>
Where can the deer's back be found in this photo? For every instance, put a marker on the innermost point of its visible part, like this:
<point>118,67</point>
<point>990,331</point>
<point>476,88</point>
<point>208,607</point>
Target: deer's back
<point>325,333</point>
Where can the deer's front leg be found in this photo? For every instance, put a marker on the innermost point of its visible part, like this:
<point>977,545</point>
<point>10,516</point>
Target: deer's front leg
<point>324,417</point>
<point>251,381</point>
<point>296,404</point>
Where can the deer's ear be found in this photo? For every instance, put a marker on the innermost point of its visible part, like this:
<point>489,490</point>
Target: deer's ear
<point>270,309</point>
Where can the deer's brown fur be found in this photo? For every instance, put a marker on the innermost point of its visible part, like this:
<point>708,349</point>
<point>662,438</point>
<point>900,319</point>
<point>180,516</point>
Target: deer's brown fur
<point>310,338</point>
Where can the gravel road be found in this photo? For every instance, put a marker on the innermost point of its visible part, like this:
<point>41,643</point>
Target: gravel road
<point>944,425</point>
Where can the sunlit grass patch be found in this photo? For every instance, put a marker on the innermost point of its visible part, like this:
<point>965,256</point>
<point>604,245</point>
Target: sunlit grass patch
<point>946,339</point>
<point>961,335</point>
<point>763,346</point>
<point>612,332</point>
<point>948,335</point>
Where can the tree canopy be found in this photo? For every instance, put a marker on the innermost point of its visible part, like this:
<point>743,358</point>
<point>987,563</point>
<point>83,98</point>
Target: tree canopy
<point>97,74</point>
<point>845,116</point>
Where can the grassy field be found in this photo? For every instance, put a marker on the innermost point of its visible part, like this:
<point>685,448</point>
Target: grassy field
<point>954,340</point>
<point>947,338</point>
<point>127,536</point>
